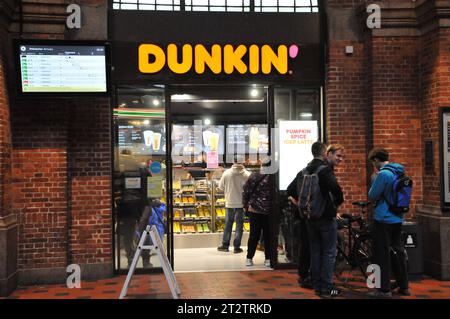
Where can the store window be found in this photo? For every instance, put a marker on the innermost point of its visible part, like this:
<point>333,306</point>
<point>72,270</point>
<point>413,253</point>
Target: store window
<point>139,170</point>
<point>298,119</point>
<point>219,5</point>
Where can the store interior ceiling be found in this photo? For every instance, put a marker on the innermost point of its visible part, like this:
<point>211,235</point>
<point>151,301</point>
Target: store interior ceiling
<point>220,104</point>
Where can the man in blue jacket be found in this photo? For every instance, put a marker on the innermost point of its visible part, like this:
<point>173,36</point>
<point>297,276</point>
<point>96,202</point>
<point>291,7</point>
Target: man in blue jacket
<point>387,228</point>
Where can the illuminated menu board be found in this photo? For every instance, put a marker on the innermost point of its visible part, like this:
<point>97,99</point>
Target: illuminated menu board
<point>136,138</point>
<point>194,139</point>
<point>247,139</point>
<point>58,68</point>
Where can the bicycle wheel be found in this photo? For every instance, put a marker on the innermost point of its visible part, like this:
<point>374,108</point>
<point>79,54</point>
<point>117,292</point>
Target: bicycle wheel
<point>341,256</point>
<point>363,253</point>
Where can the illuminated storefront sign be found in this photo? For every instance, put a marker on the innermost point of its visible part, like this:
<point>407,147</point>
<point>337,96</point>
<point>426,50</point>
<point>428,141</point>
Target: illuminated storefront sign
<point>227,59</point>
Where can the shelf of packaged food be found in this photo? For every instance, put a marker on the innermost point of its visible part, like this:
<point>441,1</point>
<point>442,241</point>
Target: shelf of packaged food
<point>181,227</point>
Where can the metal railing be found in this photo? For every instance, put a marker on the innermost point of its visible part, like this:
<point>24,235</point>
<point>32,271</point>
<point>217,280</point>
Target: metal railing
<point>218,5</point>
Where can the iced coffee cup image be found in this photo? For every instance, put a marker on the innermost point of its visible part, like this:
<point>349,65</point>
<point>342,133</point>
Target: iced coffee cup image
<point>214,141</point>
<point>156,141</point>
<point>254,138</point>
<point>206,138</point>
<point>148,138</point>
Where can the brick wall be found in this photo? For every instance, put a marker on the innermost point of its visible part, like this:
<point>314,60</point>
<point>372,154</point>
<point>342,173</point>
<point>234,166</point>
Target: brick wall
<point>435,93</point>
<point>91,229</point>
<point>396,107</point>
<point>39,132</point>
<point>5,135</point>
<point>61,167</point>
<point>347,116</point>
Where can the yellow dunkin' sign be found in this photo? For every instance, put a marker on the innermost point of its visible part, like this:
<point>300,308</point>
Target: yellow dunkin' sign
<point>228,59</point>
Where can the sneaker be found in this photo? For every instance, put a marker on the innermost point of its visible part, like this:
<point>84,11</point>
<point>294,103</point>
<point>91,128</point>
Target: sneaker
<point>222,248</point>
<point>403,292</point>
<point>379,294</point>
<point>248,262</point>
<point>267,263</point>
<point>238,250</point>
<point>330,293</point>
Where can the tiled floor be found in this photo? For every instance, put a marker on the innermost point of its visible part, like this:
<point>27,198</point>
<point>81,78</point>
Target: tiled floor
<point>220,285</point>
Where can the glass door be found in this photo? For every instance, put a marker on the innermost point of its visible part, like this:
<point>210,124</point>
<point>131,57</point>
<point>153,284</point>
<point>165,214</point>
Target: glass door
<point>298,117</point>
<point>139,178</point>
<point>211,126</point>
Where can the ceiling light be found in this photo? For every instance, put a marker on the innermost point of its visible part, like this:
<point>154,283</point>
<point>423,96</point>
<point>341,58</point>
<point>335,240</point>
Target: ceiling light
<point>309,115</point>
<point>155,102</point>
<point>254,93</point>
<point>207,121</point>
<point>146,122</point>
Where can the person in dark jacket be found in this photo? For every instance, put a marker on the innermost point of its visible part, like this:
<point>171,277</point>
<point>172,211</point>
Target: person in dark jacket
<point>322,232</point>
<point>258,200</point>
<point>334,156</point>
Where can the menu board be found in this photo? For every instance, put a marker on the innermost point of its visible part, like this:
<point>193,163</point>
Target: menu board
<point>183,140</point>
<point>141,139</point>
<point>247,139</point>
<point>213,138</point>
<point>62,68</point>
<point>193,139</point>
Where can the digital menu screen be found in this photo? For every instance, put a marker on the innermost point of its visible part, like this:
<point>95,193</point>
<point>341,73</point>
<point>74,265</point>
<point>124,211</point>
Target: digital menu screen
<point>194,139</point>
<point>137,138</point>
<point>247,139</point>
<point>62,68</point>
<point>213,137</point>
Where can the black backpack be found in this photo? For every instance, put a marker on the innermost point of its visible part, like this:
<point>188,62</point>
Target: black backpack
<point>311,202</point>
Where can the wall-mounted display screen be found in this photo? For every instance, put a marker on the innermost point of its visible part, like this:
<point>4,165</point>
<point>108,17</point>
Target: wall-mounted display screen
<point>194,139</point>
<point>58,68</point>
<point>247,139</point>
<point>137,138</point>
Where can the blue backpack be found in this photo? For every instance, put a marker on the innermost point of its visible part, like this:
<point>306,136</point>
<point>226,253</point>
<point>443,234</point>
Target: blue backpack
<point>401,192</point>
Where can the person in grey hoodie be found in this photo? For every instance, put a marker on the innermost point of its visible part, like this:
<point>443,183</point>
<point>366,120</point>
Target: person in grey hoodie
<point>232,184</point>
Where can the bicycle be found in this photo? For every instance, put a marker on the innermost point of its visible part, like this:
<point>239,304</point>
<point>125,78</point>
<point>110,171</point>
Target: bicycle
<point>354,251</point>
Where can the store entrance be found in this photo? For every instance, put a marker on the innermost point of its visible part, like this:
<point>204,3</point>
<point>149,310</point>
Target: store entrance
<point>211,127</point>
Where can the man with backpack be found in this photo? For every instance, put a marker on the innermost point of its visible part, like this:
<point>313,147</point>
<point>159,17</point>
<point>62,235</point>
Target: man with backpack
<point>391,192</point>
<point>319,195</point>
<point>334,156</point>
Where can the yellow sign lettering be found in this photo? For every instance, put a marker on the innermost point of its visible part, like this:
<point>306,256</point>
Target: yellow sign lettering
<point>232,59</point>
<point>145,50</point>
<point>279,61</point>
<point>172,58</point>
<point>213,60</point>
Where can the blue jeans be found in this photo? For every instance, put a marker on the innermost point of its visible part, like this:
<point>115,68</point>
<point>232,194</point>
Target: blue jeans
<point>232,215</point>
<point>322,235</point>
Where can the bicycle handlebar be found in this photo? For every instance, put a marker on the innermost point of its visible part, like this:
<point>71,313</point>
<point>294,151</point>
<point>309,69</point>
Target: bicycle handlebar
<point>361,204</point>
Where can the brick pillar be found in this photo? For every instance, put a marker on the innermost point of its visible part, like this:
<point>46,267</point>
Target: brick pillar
<point>435,70</point>
<point>90,184</point>
<point>347,113</point>
<point>8,220</point>
<point>396,107</point>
